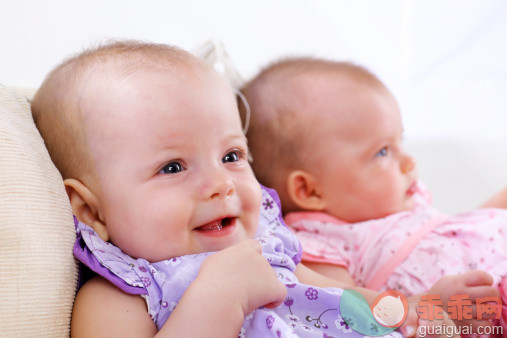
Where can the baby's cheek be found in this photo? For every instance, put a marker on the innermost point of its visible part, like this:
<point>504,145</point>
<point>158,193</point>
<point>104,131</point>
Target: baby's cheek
<point>410,204</point>
<point>249,191</point>
<point>252,204</point>
<point>391,200</point>
<point>256,196</point>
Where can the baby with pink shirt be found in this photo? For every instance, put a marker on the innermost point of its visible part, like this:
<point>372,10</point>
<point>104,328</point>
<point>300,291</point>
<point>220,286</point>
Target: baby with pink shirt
<point>182,239</point>
<point>328,137</point>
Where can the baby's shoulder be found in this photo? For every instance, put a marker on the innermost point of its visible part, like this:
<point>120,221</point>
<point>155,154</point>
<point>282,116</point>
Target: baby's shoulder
<point>109,309</point>
<point>99,287</point>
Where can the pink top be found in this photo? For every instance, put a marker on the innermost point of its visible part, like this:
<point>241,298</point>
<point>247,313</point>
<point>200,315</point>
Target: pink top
<point>408,251</point>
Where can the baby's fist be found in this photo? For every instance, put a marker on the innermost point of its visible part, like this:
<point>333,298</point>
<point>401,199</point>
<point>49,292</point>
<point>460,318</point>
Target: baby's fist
<point>244,276</point>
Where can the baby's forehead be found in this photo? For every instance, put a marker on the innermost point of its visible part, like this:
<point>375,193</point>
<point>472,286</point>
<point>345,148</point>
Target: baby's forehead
<point>121,69</point>
<point>151,93</point>
<point>317,98</point>
<point>107,80</point>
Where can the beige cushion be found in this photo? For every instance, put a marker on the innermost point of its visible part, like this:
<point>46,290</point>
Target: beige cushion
<point>38,273</point>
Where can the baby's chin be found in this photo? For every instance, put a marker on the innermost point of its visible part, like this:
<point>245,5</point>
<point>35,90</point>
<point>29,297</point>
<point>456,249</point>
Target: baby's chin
<point>406,205</point>
<point>409,203</point>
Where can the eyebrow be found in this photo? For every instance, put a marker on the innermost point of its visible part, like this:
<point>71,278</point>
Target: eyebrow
<point>234,137</point>
<point>167,148</point>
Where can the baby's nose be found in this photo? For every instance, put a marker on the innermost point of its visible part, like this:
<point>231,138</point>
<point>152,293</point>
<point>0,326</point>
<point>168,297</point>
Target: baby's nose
<point>217,185</point>
<point>407,164</point>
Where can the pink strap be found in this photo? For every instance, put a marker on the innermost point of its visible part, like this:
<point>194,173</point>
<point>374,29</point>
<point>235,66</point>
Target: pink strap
<point>317,259</point>
<point>382,275</point>
<point>293,217</point>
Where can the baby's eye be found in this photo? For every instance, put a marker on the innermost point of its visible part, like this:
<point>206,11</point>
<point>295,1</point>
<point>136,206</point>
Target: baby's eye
<point>171,168</point>
<point>382,152</point>
<point>233,156</point>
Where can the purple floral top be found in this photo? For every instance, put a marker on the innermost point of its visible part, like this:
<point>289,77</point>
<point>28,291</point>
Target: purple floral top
<point>308,311</point>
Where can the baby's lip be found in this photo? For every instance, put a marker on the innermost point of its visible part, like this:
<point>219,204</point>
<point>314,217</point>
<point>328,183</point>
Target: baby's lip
<point>412,189</point>
<point>218,224</point>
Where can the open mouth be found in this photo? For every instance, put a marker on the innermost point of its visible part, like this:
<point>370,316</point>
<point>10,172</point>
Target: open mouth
<point>217,225</point>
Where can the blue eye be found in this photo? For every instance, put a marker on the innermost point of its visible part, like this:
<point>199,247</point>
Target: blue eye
<point>171,168</point>
<point>382,152</point>
<point>231,157</point>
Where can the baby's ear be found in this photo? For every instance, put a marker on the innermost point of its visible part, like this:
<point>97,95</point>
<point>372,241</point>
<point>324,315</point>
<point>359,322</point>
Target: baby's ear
<point>85,206</point>
<point>304,191</point>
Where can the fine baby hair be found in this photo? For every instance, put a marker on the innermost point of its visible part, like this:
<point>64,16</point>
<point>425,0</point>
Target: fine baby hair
<point>149,142</point>
<point>282,133</point>
<point>349,189</point>
<point>109,119</point>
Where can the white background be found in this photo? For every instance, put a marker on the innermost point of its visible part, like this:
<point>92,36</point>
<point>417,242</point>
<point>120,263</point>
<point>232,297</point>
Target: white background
<point>444,60</point>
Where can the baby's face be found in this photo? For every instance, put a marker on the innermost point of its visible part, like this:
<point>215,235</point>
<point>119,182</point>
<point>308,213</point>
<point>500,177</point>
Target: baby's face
<point>171,161</point>
<point>362,168</point>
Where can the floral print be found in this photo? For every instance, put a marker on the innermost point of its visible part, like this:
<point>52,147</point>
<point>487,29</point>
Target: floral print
<point>146,281</point>
<point>269,321</point>
<point>306,311</point>
<point>459,243</point>
<point>312,294</point>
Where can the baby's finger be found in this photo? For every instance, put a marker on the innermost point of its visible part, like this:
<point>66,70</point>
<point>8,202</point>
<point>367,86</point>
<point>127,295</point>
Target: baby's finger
<point>477,277</point>
<point>433,328</point>
<point>279,294</point>
<point>448,323</point>
<point>476,292</point>
<point>409,326</point>
<point>474,324</point>
<point>427,328</point>
<point>274,305</point>
<point>254,244</point>
<point>485,317</point>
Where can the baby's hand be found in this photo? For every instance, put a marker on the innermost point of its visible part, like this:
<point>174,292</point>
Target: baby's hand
<point>475,284</point>
<point>413,326</point>
<point>243,276</point>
